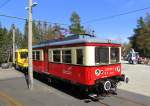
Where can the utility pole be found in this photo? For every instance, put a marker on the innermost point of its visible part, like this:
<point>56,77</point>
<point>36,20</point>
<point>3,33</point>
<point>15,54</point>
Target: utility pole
<point>14,47</point>
<point>30,65</point>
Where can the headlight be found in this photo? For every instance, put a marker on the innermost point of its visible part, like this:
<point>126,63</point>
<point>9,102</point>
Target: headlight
<point>118,69</point>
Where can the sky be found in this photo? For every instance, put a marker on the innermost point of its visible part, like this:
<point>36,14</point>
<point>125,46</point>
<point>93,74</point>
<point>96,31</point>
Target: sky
<point>59,11</point>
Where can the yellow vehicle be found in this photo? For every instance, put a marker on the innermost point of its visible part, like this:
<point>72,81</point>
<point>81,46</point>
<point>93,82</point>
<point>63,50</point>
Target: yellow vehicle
<point>21,59</point>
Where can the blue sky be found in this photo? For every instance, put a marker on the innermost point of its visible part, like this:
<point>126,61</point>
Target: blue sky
<point>60,11</point>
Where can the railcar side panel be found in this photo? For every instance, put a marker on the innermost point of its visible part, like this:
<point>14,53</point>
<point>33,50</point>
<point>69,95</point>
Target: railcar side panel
<point>76,74</point>
<point>39,66</point>
<point>83,75</point>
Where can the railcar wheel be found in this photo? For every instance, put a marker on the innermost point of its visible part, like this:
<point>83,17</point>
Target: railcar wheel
<point>50,81</point>
<point>107,85</point>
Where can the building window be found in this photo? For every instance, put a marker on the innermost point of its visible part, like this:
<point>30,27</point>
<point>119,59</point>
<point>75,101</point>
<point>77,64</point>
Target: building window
<point>114,53</point>
<point>56,56</point>
<point>79,54</point>
<point>66,56</point>
<point>101,55</point>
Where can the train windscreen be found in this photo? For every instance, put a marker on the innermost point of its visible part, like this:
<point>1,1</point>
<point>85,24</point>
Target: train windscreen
<point>101,55</point>
<point>114,53</point>
<point>23,55</point>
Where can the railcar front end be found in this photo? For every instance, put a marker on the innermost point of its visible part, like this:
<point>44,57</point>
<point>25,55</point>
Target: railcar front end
<point>21,61</point>
<point>101,68</point>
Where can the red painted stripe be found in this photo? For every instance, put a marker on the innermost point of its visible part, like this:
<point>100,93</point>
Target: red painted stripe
<point>82,44</point>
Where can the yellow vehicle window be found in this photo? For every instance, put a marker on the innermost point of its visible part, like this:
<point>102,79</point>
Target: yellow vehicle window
<point>23,54</point>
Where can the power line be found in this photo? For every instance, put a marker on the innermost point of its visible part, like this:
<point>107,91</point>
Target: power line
<point>49,22</point>
<point>90,21</point>
<point>116,15</point>
<point>25,19</point>
<point>14,17</point>
<point>4,3</point>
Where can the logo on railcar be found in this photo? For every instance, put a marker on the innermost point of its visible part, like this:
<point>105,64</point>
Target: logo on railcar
<point>67,71</point>
<point>98,72</point>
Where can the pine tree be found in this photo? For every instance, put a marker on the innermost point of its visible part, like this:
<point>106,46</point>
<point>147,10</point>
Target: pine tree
<point>6,45</point>
<point>76,27</point>
<point>141,39</point>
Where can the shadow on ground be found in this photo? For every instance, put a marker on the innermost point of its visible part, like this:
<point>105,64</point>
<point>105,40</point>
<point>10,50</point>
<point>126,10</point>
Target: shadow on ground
<point>65,87</point>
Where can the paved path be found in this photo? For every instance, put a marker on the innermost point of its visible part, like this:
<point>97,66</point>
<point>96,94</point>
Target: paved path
<point>9,73</point>
<point>139,76</point>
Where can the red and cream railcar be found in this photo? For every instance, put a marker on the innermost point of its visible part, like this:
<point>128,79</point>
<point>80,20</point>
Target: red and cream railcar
<point>89,62</point>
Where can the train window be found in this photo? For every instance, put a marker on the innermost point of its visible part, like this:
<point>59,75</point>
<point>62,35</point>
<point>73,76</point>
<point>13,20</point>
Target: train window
<point>66,56</point>
<point>50,56</point>
<point>101,55</point>
<point>23,55</point>
<point>114,55</point>
<point>56,55</point>
<point>79,53</point>
<point>37,55</point>
<point>33,55</point>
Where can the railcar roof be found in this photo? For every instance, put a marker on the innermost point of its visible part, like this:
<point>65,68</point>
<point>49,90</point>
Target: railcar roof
<point>73,41</point>
<point>22,50</point>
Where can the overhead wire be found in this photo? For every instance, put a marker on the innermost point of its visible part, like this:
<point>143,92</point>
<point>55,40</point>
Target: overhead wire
<point>14,17</point>
<point>49,22</point>
<point>116,15</point>
<point>90,21</point>
<point>25,19</point>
